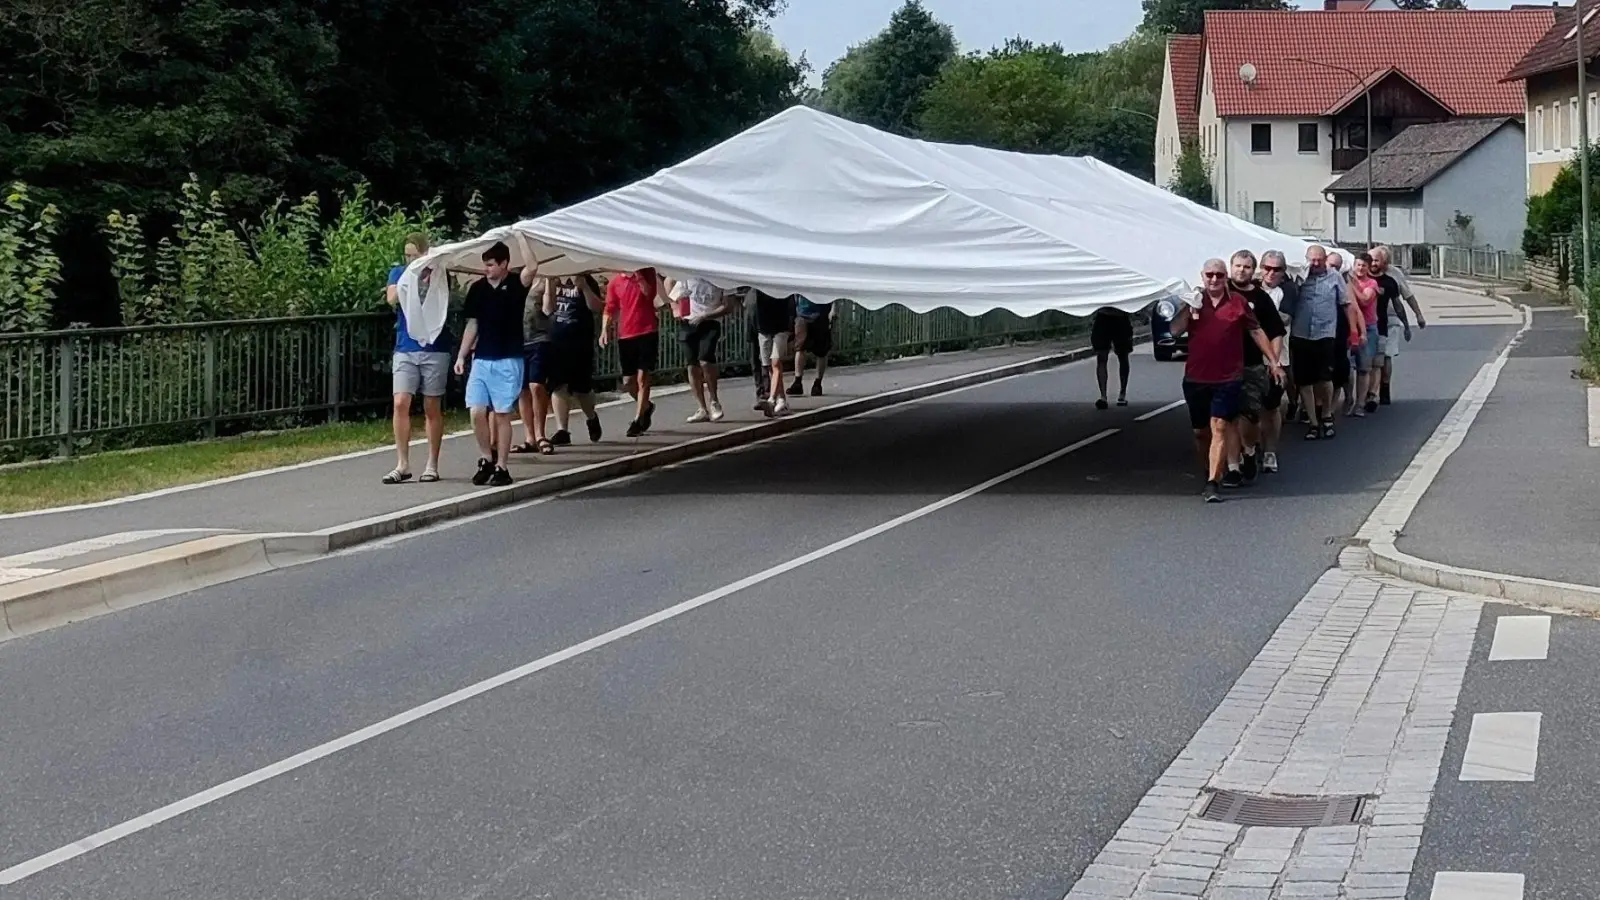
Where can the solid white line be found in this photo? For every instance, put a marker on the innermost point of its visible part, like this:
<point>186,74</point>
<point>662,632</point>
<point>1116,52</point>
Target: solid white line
<point>211,795</point>
<point>276,470</point>
<point>1521,637</point>
<point>1476,886</point>
<point>1156,412</point>
<point>1502,746</point>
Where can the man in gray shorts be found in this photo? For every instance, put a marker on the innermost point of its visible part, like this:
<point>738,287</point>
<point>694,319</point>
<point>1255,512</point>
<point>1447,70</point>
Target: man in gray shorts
<point>418,368</point>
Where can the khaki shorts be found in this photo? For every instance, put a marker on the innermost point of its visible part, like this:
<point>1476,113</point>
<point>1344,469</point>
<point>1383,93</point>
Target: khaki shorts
<point>774,348</point>
<point>1253,394</point>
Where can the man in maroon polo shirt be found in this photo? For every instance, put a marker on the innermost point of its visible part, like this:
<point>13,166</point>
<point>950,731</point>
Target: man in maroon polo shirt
<point>1218,321</point>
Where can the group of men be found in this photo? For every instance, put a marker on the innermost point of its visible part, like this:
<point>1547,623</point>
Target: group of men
<point>1266,347</point>
<point>528,349</point>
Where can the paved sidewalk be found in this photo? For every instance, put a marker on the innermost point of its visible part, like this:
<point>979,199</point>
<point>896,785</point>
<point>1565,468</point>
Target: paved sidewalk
<point>1521,496</point>
<point>325,494</point>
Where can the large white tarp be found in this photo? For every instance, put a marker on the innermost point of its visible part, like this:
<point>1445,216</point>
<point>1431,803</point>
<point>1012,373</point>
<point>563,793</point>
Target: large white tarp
<point>812,204</point>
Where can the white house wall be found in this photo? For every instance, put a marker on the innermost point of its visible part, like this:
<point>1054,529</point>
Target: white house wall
<point>1168,140</point>
<point>1210,136</point>
<point>1405,219</point>
<point>1290,180</point>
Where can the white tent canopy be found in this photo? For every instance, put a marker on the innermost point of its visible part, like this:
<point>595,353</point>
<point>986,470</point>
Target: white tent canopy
<point>812,204</point>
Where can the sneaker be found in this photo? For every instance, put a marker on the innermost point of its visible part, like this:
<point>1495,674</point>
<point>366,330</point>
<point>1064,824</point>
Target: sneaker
<point>766,409</point>
<point>500,478</point>
<point>634,430</point>
<point>798,388</point>
<point>1122,401</point>
<point>761,404</point>
<point>1372,404</point>
<point>594,430</point>
<point>1211,494</point>
<point>716,411</point>
<point>781,407</point>
<point>816,388</point>
<point>1233,479</point>
<point>1101,404</point>
<point>698,416</point>
<point>1247,466</point>
<point>561,438</point>
<point>1269,463</point>
<point>649,414</point>
<point>484,473</point>
<point>1383,395</point>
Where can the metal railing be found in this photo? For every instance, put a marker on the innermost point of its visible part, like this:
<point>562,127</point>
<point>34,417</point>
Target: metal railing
<point>1499,265</point>
<point>65,392</point>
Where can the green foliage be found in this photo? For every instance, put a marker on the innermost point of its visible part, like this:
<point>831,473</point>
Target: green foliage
<point>1192,178</point>
<point>1040,99</point>
<point>882,82</point>
<point>1558,211</point>
<point>29,268</point>
<point>286,265</point>
<point>1189,16</point>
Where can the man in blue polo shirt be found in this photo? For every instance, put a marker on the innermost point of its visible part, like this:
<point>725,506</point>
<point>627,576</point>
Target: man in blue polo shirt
<point>418,368</point>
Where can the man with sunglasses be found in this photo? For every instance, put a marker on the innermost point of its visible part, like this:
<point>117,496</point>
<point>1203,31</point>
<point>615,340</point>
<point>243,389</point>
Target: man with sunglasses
<point>1281,289</point>
<point>1262,394</point>
<point>1218,321</point>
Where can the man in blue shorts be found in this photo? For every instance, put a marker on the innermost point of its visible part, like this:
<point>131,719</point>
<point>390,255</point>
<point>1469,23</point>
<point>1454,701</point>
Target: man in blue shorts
<point>493,338</point>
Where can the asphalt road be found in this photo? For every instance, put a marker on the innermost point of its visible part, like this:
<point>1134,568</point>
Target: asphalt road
<point>964,705</point>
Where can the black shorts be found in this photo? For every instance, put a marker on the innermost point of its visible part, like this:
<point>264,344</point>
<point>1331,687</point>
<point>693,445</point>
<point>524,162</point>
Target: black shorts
<point>700,341</point>
<point>819,336</point>
<point>1314,360</point>
<point>1110,333</point>
<point>569,366</point>
<point>640,353</point>
<point>536,363</point>
<point>1211,401</point>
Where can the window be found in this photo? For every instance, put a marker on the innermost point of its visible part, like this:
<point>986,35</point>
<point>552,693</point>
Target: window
<point>1572,122</point>
<point>1308,137</point>
<point>1352,215</point>
<point>1383,213</point>
<point>1264,215</point>
<point>1310,216</point>
<point>1538,129</point>
<point>1261,137</point>
<point>1558,138</point>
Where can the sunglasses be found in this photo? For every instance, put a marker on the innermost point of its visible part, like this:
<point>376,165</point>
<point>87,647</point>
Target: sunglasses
<point>1272,268</point>
<point>1214,275</point>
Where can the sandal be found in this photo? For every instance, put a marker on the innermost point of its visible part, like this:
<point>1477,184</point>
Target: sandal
<point>525,447</point>
<point>428,476</point>
<point>1313,433</point>
<point>545,447</point>
<point>397,476</point>
<point>1327,430</point>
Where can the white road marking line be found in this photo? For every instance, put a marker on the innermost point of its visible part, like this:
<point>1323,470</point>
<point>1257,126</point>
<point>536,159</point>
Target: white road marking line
<point>90,545</point>
<point>278,470</point>
<point>1476,886</point>
<point>1145,417</point>
<point>9,575</point>
<point>1521,637</point>
<point>1502,746</point>
<point>211,795</point>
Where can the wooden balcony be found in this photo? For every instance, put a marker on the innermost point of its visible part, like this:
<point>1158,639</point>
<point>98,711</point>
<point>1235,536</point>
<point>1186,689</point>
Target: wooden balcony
<point>1347,158</point>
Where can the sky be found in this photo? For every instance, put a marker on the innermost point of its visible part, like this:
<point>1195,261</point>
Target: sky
<point>823,29</point>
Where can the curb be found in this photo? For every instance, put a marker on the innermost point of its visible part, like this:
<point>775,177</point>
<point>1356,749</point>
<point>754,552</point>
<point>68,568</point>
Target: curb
<point>1385,557</point>
<point>38,604</point>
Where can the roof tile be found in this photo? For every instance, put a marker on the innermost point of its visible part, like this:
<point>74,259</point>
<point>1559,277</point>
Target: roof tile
<point>1458,56</point>
<point>1185,53</point>
<point>1555,50</point>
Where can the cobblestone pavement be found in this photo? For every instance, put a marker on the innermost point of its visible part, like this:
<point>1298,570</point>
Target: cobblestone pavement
<point>1354,695</point>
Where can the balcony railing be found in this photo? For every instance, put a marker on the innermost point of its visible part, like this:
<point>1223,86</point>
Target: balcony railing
<point>1347,158</point>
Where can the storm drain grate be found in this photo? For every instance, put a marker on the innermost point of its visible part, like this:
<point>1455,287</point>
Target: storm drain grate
<point>1283,812</point>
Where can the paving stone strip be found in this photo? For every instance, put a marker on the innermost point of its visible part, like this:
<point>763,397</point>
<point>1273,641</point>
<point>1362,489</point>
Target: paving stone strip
<point>1353,695</point>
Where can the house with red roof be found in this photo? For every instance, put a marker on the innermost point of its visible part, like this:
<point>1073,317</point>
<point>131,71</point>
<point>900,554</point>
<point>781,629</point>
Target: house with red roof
<point>1548,74</point>
<point>1275,100</point>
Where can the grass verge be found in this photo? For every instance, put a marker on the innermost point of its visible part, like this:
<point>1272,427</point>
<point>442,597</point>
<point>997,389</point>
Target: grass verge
<point>105,476</point>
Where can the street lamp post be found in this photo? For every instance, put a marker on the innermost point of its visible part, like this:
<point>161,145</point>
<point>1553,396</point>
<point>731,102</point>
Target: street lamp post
<point>1366,93</point>
<point>1583,144</point>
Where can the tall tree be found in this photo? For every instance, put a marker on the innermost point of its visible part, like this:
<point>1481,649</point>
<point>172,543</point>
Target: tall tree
<point>1189,16</point>
<point>881,82</point>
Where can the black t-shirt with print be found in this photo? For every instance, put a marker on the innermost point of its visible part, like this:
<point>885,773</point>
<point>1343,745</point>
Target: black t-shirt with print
<point>1389,303</point>
<point>1266,314</point>
<point>498,309</point>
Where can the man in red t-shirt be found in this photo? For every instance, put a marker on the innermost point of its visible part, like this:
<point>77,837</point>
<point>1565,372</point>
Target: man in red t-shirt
<point>631,302</point>
<point>1218,321</point>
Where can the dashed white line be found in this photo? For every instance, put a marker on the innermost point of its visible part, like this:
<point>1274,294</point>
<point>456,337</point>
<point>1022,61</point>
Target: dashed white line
<point>1521,637</point>
<point>1476,886</point>
<point>1145,417</point>
<point>1502,746</point>
<point>211,795</point>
